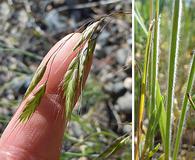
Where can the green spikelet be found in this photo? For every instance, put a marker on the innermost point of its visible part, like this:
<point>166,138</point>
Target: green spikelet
<point>85,55</point>
<point>36,78</point>
<point>72,78</point>
<point>32,104</point>
<point>70,83</point>
<point>87,33</point>
<point>74,75</point>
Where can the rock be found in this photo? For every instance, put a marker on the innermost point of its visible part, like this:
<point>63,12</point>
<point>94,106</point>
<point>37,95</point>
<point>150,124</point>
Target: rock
<point>4,111</point>
<point>116,89</point>
<point>99,52</point>
<point>124,103</point>
<point>23,17</point>
<point>100,68</point>
<point>128,83</point>
<point>103,38</point>
<point>100,114</point>
<point>58,1</point>
<point>83,158</point>
<point>76,130</point>
<point>107,77</point>
<point>129,41</point>
<point>129,61</point>
<point>25,85</point>
<point>4,10</point>
<point>127,128</point>
<point>108,87</point>
<point>54,21</point>
<point>109,50</point>
<point>119,89</point>
<point>120,76</point>
<point>121,56</point>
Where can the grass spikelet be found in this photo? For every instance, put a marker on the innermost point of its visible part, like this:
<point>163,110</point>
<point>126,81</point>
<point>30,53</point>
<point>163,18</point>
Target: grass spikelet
<point>41,69</point>
<point>87,33</point>
<point>32,104</point>
<point>74,75</point>
<point>70,83</point>
<point>36,78</point>
<point>85,55</point>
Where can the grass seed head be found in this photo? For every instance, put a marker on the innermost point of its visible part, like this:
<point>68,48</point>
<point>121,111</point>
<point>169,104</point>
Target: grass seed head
<point>36,78</point>
<point>32,103</point>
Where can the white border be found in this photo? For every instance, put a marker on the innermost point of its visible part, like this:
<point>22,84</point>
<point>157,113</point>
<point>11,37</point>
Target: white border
<point>133,79</point>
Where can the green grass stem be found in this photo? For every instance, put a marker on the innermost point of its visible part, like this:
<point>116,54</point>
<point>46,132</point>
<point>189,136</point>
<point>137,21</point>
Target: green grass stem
<point>172,73</point>
<point>155,55</point>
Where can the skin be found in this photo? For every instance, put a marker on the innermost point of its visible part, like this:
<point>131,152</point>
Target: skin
<point>41,136</point>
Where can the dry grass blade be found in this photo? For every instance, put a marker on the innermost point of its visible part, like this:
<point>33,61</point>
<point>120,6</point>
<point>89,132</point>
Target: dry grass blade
<point>32,104</point>
<point>191,101</point>
<point>143,89</point>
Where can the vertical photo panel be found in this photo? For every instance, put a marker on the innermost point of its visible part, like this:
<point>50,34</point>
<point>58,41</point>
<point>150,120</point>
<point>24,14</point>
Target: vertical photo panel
<point>66,80</point>
<point>164,79</point>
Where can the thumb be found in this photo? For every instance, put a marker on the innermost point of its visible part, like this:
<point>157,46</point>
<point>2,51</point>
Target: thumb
<point>40,137</point>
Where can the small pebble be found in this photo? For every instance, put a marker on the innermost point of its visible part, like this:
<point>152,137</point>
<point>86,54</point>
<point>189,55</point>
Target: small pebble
<point>121,55</point>
<point>128,83</point>
<point>124,103</point>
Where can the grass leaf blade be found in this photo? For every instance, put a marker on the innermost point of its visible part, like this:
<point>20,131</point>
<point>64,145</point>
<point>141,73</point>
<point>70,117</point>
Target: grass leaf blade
<point>162,119</point>
<point>143,88</point>
<point>116,145</point>
<point>172,72</point>
<point>184,108</point>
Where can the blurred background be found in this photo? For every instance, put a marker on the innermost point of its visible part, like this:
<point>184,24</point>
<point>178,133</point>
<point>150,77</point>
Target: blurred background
<point>29,28</point>
<point>187,45</point>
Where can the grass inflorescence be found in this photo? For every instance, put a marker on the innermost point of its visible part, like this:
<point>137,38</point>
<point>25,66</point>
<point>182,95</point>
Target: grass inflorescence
<point>72,78</point>
<point>71,86</point>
